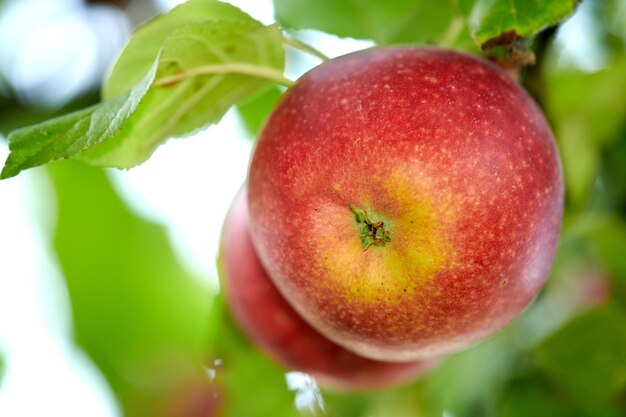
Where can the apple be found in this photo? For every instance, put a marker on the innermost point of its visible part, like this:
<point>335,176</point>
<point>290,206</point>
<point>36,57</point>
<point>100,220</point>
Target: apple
<point>406,201</point>
<point>273,325</point>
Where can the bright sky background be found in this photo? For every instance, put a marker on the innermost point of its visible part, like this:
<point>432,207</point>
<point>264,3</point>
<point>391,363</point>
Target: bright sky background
<point>190,198</point>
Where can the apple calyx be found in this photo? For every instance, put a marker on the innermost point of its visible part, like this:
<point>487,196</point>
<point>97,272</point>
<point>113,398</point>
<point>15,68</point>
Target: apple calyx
<point>371,232</point>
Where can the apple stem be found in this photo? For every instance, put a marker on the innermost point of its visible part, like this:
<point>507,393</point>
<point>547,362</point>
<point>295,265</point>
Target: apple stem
<point>371,232</point>
<point>305,47</point>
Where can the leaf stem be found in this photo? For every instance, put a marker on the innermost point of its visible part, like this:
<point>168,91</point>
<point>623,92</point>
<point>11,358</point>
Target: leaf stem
<point>305,47</point>
<point>231,68</point>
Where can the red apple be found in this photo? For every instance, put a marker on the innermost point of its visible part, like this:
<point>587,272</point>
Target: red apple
<point>406,201</point>
<point>271,323</point>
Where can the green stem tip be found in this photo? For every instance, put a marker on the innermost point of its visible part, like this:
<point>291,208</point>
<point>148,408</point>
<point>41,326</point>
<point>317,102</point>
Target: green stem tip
<point>371,232</point>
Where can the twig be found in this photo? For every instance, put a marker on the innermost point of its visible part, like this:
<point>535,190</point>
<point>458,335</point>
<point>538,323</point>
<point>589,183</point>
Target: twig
<point>298,44</point>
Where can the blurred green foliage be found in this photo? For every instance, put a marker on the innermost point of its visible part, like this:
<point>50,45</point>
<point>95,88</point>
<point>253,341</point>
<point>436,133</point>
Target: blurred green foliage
<point>586,128</point>
<point>172,80</point>
<point>252,384</point>
<point>161,338</point>
<point>254,110</point>
<point>385,22</point>
<point>586,356</point>
<point>137,312</point>
<point>14,115</point>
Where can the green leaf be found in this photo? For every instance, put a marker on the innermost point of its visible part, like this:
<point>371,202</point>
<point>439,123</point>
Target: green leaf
<point>137,312</point>
<point>491,18</point>
<point>143,48</point>
<point>66,136</point>
<point>255,110</point>
<point>580,157</point>
<point>584,96</point>
<point>609,241</point>
<point>385,22</point>
<point>588,110</point>
<point>14,115</point>
<point>473,379</point>
<point>587,357</point>
<point>603,237</point>
<point>613,173</point>
<point>531,394</point>
<point>255,385</point>
<point>1,368</point>
<point>201,71</point>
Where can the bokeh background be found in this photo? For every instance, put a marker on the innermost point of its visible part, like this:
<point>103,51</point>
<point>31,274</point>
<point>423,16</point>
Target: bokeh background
<point>108,278</point>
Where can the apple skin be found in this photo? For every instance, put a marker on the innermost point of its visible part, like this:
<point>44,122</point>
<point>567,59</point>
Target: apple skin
<point>276,328</point>
<point>456,160</point>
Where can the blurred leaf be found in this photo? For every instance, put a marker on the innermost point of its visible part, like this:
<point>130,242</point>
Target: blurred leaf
<point>491,18</point>
<point>385,22</point>
<point>137,312</point>
<point>613,173</point>
<point>143,48</point>
<point>588,356</point>
<point>530,394</point>
<point>612,14</point>
<point>255,110</point>
<point>406,401</point>
<point>610,243</point>
<point>254,385</point>
<point>586,96</point>
<point>411,400</point>
<point>14,115</point>
<point>469,383</point>
<point>580,157</point>
<point>348,405</point>
<point>604,237</point>
<point>201,71</point>
<point>588,110</point>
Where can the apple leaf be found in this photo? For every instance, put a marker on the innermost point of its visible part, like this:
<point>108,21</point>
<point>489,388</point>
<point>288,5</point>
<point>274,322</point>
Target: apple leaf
<point>240,365</point>
<point>584,125</point>
<point>385,22</point>
<point>583,95</point>
<point>608,238</point>
<point>580,157</point>
<point>588,356</point>
<point>255,110</point>
<point>137,312</point>
<point>66,136</point>
<point>471,379</point>
<point>490,20</point>
<point>605,235</point>
<point>201,70</point>
<point>143,48</point>
<point>613,173</point>
<point>530,394</point>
